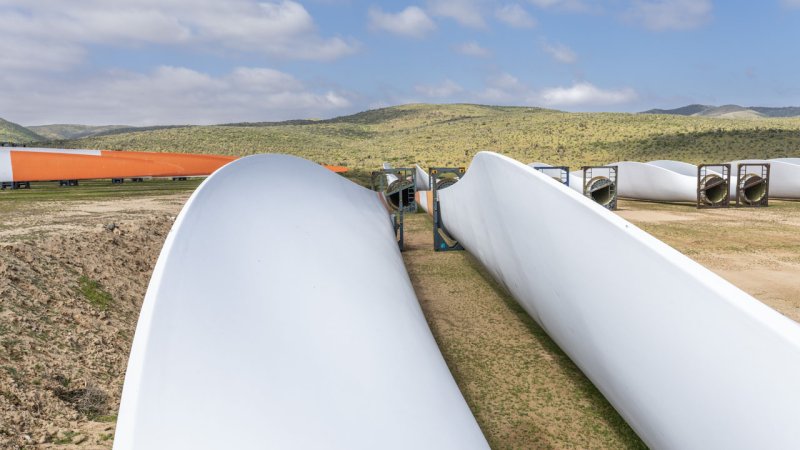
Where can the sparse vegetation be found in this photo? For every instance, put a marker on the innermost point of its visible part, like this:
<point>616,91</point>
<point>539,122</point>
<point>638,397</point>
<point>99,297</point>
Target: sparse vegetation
<point>94,190</point>
<point>63,131</point>
<point>452,134</point>
<point>65,439</point>
<point>523,389</point>
<point>94,293</point>
<point>12,132</point>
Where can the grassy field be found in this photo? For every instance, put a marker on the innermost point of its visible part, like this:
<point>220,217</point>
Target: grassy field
<point>452,134</point>
<point>95,190</point>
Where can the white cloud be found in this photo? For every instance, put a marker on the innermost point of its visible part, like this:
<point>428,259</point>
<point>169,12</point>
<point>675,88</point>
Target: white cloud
<point>564,5</point>
<point>446,89</point>
<point>560,52</point>
<point>412,22</point>
<point>16,53</point>
<point>504,88</point>
<point>582,94</point>
<point>791,3</point>
<point>515,15</point>
<point>283,28</point>
<point>473,49</point>
<point>663,15</point>
<point>466,12</point>
<point>170,95</point>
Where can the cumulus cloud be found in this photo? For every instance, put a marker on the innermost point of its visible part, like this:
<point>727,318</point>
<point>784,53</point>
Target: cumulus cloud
<point>446,89</point>
<point>504,88</point>
<point>170,95</point>
<point>466,12</point>
<point>515,15</point>
<point>582,94</point>
<point>412,22</point>
<point>472,49</point>
<point>664,15</point>
<point>560,52</point>
<point>61,31</point>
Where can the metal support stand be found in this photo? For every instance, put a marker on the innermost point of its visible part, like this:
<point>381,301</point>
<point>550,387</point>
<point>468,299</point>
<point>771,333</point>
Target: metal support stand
<point>400,192</point>
<point>399,231</point>
<point>399,196</point>
<point>752,185</point>
<point>713,186</point>
<point>15,185</point>
<point>442,178</point>
<point>558,173</point>
<point>600,185</point>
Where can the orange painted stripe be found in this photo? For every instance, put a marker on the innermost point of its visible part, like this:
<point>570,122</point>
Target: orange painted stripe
<point>337,169</point>
<point>29,166</point>
<point>184,164</point>
<point>45,166</point>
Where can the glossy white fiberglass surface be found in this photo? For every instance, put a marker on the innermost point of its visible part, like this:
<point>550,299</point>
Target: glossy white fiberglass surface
<point>689,360</point>
<point>649,182</point>
<point>784,176</point>
<point>280,316</point>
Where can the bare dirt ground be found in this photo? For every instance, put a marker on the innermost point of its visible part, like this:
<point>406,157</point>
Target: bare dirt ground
<point>72,278</point>
<point>73,274</point>
<point>756,249</point>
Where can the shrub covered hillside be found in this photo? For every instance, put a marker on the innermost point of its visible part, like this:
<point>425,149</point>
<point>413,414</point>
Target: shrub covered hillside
<point>452,134</point>
<point>11,132</point>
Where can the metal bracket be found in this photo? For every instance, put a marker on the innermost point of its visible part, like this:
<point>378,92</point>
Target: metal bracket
<point>600,185</point>
<point>399,233</point>
<point>713,186</point>
<point>752,185</point>
<point>399,197</point>
<point>562,176</point>
<point>15,185</point>
<point>442,178</point>
<point>399,193</point>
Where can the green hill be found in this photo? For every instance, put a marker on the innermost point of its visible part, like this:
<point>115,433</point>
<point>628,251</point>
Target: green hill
<point>68,131</point>
<point>17,134</point>
<point>452,134</point>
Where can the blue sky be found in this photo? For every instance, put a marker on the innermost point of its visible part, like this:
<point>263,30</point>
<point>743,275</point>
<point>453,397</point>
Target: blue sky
<point>144,62</point>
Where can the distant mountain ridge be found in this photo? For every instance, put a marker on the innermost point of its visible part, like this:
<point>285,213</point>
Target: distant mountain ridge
<point>729,111</point>
<point>57,132</point>
<point>17,134</point>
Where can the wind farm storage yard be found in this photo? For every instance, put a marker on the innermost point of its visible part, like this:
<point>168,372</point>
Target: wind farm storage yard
<point>75,262</point>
